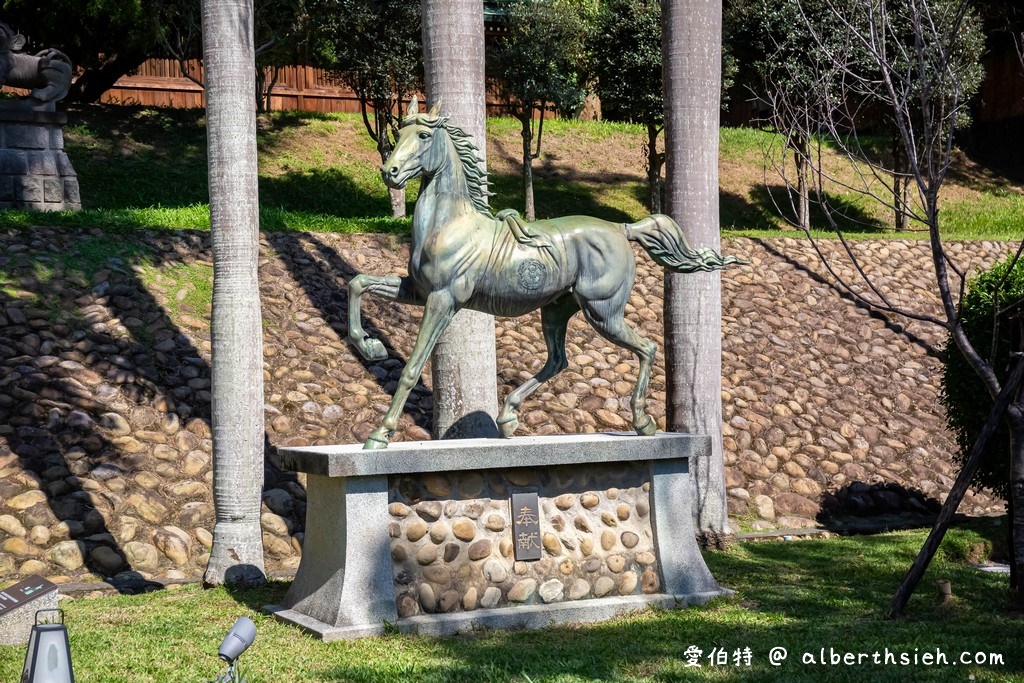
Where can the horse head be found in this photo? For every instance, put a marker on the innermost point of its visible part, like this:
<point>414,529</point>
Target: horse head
<point>421,148</point>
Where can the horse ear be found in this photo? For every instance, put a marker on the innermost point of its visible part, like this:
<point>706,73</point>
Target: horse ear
<point>435,111</point>
<point>414,107</point>
<point>17,42</point>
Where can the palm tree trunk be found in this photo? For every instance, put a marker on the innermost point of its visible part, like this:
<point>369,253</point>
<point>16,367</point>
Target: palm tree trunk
<point>464,361</point>
<point>236,329</point>
<point>692,43</point>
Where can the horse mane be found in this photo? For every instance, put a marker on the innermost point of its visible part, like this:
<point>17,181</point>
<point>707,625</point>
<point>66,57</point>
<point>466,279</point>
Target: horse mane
<point>472,168</point>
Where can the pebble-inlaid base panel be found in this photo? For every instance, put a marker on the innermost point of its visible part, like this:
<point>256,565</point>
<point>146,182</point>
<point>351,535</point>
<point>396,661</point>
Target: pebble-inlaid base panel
<point>452,537</point>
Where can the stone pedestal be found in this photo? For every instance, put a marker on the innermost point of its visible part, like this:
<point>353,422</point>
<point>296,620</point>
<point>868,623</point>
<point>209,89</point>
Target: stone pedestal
<point>18,607</point>
<point>35,172</point>
<point>421,535</point>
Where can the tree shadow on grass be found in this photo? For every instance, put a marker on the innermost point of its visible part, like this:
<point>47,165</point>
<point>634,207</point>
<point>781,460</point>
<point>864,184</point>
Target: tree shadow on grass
<point>554,198</point>
<point>330,191</point>
<point>738,213</point>
<point>829,212</point>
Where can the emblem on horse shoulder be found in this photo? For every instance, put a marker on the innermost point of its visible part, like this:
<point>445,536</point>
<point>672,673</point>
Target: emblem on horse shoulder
<point>531,275</point>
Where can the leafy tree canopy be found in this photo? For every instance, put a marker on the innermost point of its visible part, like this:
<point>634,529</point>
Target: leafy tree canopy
<point>542,57</point>
<point>626,49</point>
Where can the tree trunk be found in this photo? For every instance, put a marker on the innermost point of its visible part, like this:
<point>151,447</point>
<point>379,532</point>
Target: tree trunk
<point>91,85</point>
<point>900,185</point>
<point>1015,420</point>
<point>464,360</point>
<point>529,207</point>
<point>801,150</point>
<point>654,162</point>
<point>692,44</point>
<point>956,493</point>
<point>397,196</point>
<point>236,329</point>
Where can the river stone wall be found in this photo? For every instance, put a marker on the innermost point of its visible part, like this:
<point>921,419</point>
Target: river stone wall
<point>452,538</point>
<point>105,443</point>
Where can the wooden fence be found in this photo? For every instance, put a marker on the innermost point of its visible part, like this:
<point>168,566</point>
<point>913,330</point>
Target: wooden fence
<point>160,83</point>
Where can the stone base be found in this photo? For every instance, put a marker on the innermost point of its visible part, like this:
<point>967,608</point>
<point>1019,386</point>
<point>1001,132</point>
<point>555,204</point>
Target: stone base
<point>16,625</point>
<point>445,503</point>
<point>530,617</point>
<point>35,172</point>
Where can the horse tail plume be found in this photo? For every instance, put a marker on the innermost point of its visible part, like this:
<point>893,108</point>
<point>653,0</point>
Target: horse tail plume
<point>664,241</point>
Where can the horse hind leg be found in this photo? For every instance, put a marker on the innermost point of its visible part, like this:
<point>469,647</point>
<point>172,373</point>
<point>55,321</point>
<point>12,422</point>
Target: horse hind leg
<point>554,320</point>
<point>609,321</point>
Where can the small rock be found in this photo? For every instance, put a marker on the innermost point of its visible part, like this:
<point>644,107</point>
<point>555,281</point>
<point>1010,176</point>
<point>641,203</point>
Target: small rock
<point>523,590</point>
<point>551,590</point>
<point>495,571</point>
<point>480,549</point>
<point>616,563</point>
<point>649,582</point>
<point>491,598</point>
<point>429,510</point>
<point>107,559</point>
<point>603,586</point>
<point>579,589</point>
<point>427,554</point>
<point>68,554</point>
<point>438,532</point>
<point>427,598</point>
<point>464,529</point>
<point>469,599</point>
<point>10,525</point>
<point>416,530</point>
<point>448,600</point>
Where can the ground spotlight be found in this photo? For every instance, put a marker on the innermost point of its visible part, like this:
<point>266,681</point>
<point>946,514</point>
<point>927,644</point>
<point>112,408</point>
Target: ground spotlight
<point>237,641</point>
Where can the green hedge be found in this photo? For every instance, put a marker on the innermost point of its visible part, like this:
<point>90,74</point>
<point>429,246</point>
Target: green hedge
<point>963,394</point>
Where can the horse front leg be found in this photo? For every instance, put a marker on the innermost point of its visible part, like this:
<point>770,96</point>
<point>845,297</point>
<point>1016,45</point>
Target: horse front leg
<point>438,312</point>
<point>393,287</point>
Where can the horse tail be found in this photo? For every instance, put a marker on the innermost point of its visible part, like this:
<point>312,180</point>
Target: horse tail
<point>664,241</point>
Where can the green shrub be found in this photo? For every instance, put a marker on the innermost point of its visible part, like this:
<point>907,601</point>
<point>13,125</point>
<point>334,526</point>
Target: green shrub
<point>963,393</point>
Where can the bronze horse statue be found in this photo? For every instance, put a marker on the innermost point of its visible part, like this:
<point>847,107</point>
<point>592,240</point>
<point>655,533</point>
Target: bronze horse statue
<point>463,256</point>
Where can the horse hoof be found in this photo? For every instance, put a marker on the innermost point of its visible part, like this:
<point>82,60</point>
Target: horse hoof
<point>508,426</point>
<point>377,441</point>
<point>370,349</point>
<point>646,427</point>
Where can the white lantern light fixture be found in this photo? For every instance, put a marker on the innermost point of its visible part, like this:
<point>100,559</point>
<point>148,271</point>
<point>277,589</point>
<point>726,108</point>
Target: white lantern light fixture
<point>48,659</point>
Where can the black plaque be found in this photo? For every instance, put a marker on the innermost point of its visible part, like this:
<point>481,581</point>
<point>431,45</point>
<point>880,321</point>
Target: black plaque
<point>526,526</point>
<point>25,591</point>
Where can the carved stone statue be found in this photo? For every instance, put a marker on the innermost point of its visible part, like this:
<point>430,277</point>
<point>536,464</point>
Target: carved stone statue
<point>463,256</point>
<point>47,74</point>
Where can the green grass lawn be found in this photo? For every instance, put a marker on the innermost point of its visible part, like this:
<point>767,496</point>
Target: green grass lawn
<point>141,167</point>
<point>802,596</point>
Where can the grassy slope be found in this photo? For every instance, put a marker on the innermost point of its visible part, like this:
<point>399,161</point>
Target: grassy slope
<point>146,167</point>
<point>802,596</point>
